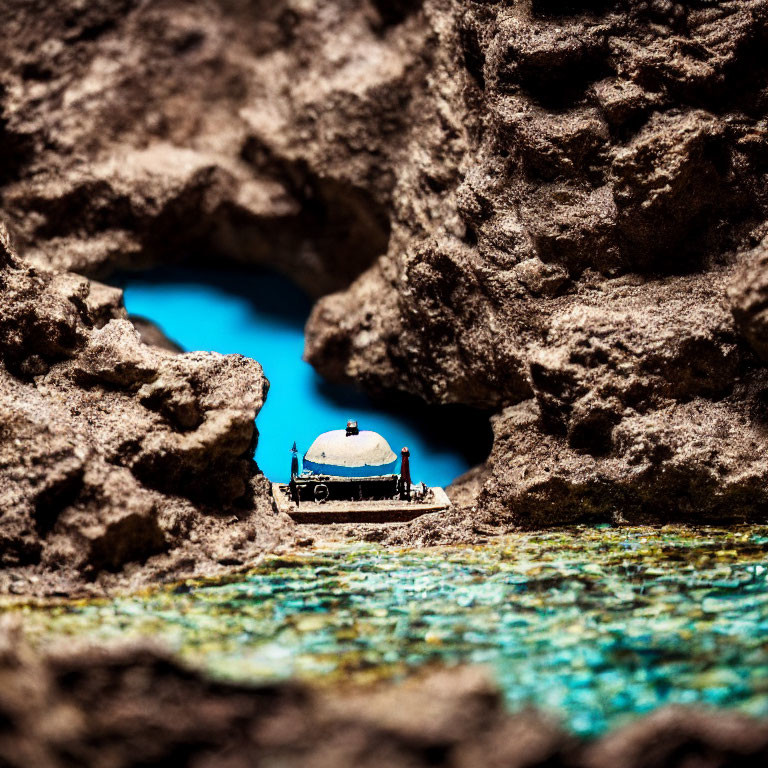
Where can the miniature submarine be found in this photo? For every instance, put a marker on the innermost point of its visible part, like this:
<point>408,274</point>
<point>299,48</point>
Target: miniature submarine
<point>350,475</point>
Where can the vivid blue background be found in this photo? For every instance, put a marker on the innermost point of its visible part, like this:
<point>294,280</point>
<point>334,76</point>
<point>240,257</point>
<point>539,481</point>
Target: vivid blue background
<point>262,315</point>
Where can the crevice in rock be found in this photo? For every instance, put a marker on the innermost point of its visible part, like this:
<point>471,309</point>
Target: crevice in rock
<point>474,55</point>
<point>132,538</point>
<point>394,12</point>
<point>339,231</point>
<point>54,499</point>
<point>16,149</point>
<point>561,85</point>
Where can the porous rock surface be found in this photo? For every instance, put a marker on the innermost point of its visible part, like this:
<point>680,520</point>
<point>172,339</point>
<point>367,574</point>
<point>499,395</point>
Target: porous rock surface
<point>153,712</point>
<point>119,462</point>
<point>589,263</point>
<point>550,210</point>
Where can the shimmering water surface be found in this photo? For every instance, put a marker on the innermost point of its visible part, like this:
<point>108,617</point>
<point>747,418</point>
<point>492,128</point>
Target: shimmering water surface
<point>595,625</point>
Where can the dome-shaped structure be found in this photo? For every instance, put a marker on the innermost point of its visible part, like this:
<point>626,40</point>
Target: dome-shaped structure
<point>350,453</point>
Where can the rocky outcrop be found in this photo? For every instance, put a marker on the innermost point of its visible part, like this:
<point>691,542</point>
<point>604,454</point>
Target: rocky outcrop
<point>578,153</point>
<point>573,270</point>
<point>133,134</point>
<point>555,204</point>
<point>119,461</point>
<point>152,711</point>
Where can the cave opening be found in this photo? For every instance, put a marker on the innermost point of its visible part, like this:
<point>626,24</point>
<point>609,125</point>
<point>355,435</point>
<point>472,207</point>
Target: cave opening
<point>262,314</point>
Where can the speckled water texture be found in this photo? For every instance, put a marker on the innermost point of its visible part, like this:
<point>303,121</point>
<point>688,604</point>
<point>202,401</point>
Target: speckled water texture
<point>595,625</point>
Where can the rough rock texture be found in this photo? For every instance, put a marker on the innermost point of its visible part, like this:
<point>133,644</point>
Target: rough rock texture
<point>135,132</point>
<point>540,202</point>
<point>749,299</point>
<point>153,712</point>
<point>555,210</point>
<point>118,461</point>
<point>603,184</point>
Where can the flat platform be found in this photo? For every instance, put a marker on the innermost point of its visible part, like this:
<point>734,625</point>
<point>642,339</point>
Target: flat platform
<point>378,511</point>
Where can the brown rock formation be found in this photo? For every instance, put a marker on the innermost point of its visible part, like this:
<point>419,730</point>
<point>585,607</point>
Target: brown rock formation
<point>539,203</point>
<point>115,454</point>
<point>133,134</point>
<point>606,183</point>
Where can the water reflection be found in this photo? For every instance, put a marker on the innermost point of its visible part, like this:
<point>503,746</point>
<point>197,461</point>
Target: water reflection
<point>593,625</point>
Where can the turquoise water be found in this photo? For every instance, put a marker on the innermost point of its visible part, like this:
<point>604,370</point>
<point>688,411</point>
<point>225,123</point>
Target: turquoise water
<point>263,316</point>
<point>593,625</point>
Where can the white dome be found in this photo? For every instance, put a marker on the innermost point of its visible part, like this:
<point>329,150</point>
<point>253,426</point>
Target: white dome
<point>358,455</point>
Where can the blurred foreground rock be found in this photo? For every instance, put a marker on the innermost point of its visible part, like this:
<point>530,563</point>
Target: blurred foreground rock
<point>131,707</point>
